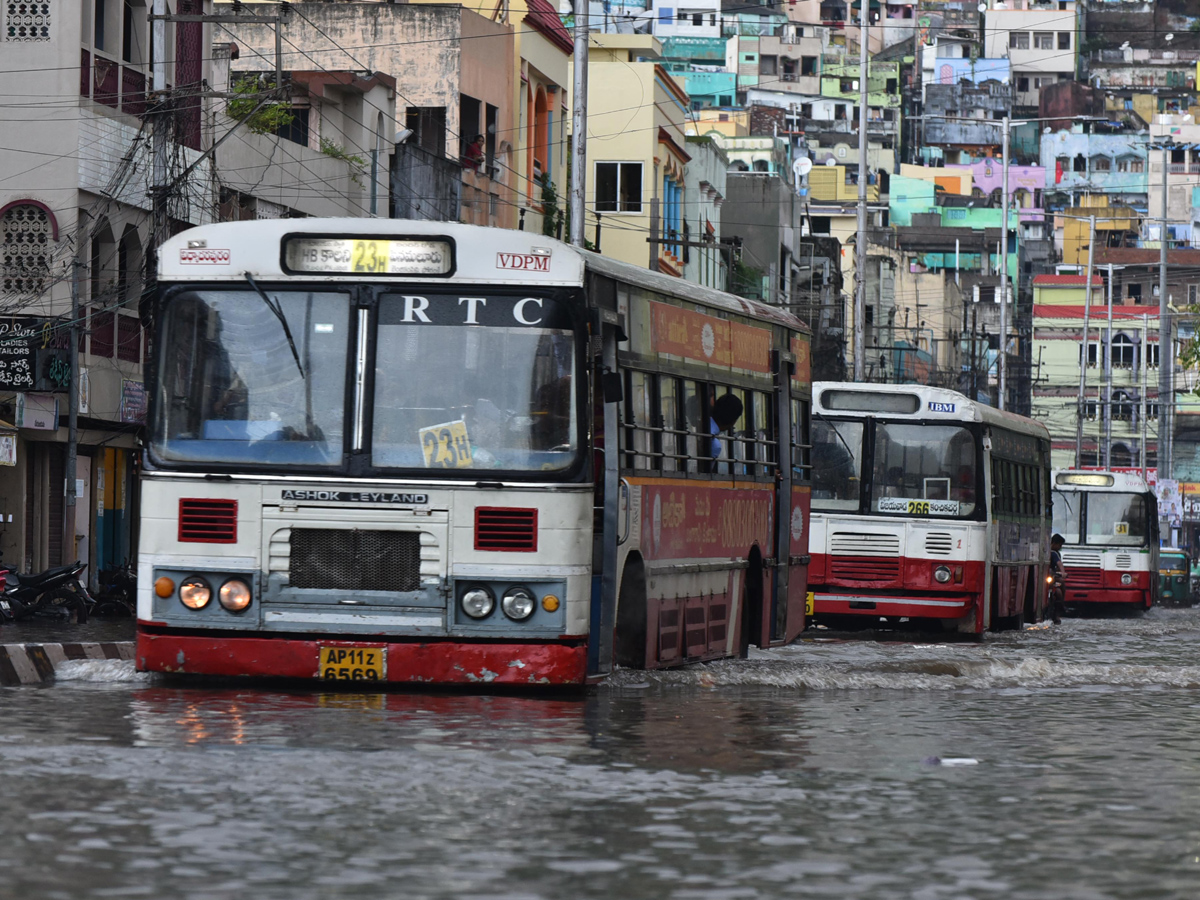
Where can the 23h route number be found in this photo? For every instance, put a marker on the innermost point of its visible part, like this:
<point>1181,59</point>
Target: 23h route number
<point>352,664</point>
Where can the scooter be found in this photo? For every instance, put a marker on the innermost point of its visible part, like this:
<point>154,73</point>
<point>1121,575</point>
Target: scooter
<point>55,593</point>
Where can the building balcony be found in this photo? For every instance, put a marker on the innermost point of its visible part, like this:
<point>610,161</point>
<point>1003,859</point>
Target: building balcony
<point>112,84</point>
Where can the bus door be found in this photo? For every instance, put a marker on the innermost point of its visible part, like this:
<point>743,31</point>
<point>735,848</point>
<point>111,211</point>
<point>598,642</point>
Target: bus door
<point>782,363</point>
<point>608,522</point>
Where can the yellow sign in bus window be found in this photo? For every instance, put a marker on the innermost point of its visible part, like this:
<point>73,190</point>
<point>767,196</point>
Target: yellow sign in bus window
<point>446,446</point>
<point>370,256</point>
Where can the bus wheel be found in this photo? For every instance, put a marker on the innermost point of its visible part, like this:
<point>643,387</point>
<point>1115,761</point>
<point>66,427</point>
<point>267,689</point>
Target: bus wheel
<point>630,640</point>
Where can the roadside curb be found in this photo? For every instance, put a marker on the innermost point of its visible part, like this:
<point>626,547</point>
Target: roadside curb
<point>35,663</point>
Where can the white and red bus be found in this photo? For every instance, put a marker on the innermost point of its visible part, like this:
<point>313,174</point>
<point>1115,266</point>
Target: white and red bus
<point>405,451</point>
<point>929,510</point>
<point>1109,524</point>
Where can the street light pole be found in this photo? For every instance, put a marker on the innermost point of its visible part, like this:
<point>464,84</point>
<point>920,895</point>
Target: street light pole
<point>578,125</point>
<point>860,249</point>
<point>1004,270</point>
<point>1083,349</point>
<point>1166,355</point>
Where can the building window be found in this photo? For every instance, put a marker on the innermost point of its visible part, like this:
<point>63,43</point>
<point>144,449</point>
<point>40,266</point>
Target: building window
<point>1018,40</point>
<point>1043,40</point>
<point>26,20</point>
<point>808,65</point>
<point>767,65</point>
<point>1022,84</point>
<point>1101,164</point>
<point>1133,292</point>
<point>697,19</point>
<point>1064,40</point>
<point>619,187</point>
<point>102,333</point>
<point>1137,165</point>
<point>26,234</point>
<point>1122,352</point>
<point>129,339</point>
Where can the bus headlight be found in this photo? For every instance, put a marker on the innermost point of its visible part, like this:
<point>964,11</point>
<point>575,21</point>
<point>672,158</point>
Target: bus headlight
<point>1126,578</point>
<point>941,574</point>
<point>518,603</point>
<point>478,602</point>
<point>234,595</point>
<point>195,593</point>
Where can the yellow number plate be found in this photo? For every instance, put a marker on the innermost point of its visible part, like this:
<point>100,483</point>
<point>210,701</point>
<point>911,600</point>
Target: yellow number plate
<point>370,256</point>
<point>446,446</point>
<point>1121,528</point>
<point>809,603</point>
<point>353,664</point>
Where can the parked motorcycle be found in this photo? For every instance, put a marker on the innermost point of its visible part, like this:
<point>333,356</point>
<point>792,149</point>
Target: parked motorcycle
<point>117,596</point>
<point>55,593</point>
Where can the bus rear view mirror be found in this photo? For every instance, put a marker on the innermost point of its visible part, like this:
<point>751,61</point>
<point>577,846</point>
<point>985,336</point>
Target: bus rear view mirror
<point>610,384</point>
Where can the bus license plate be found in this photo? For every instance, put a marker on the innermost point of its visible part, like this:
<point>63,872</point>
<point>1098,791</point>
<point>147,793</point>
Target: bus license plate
<point>353,664</point>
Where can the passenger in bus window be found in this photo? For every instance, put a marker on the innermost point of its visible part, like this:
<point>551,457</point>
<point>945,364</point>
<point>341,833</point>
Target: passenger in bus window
<point>723,415</point>
<point>895,482</point>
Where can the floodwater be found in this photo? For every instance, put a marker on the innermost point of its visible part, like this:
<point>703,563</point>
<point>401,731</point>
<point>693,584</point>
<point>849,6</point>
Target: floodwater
<point>1061,762</point>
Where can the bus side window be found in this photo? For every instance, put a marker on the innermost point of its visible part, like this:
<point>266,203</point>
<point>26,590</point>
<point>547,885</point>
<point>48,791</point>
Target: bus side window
<point>692,419</point>
<point>637,419</point>
<point>800,441</point>
<point>668,407</point>
<point>764,452</point>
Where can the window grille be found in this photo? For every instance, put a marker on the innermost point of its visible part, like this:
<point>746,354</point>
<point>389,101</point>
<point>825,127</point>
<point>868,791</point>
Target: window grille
<point>26,20</point>
<point>25,234</point>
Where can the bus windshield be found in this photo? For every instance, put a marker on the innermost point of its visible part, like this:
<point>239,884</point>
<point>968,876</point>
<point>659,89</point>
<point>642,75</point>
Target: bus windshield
<point>494,394</point>
<point>926,470</point>
<point>1116,520</point>
<point>1067,507</point>
<point>230,389</point>
<point>837,448</point>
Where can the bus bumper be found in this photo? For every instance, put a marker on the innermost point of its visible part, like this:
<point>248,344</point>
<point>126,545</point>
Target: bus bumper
<point>408,662</point>
<point>911,607</point>
<point>1107,595</point>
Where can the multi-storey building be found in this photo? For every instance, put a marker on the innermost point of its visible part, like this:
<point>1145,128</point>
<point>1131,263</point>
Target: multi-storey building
<point>1040,38</point>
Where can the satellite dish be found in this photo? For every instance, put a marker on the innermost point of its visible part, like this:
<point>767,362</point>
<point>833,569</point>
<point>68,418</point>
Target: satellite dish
<point>1125,46</point>
<point>830,161</point>
<point>1169,37</point>
<point>802,166</point>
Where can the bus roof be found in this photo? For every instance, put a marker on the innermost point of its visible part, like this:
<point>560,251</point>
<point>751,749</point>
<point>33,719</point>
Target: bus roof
<point>927,403</point>
<point>1098,480</point>
<point>226,251</point>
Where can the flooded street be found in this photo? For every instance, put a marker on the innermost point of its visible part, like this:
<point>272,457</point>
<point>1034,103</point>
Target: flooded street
<point>1054,763</point>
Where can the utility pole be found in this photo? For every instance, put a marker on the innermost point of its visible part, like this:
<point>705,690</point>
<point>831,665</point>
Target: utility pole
<point>1108,376</point>
<point>860,254</point>
<point>1166,354</point>
<point>71,470</point>
<point>1083,349</point>
<point>1004,271</point>
<point>1145,387</point>
<point>579,91</point>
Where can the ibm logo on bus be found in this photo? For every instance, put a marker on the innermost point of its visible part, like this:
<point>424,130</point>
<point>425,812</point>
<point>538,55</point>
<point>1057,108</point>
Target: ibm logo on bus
<point>935,406</point>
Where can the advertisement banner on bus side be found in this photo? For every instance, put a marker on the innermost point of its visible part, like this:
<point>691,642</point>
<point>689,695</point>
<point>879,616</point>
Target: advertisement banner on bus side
<point>706,339</point>
<point>687,522</point>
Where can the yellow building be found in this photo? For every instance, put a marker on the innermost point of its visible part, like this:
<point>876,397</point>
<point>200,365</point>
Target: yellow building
<point>636,153</point>
<point>535,147</point>
<point>1058,312</point>
<point>1113,223</point>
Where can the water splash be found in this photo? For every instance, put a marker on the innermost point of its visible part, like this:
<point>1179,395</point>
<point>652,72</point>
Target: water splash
<point>916,675</point>
<point>101,671</point>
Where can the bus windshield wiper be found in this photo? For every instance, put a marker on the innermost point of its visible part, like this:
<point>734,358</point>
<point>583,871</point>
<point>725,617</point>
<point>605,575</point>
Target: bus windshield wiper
<point>278,310</point>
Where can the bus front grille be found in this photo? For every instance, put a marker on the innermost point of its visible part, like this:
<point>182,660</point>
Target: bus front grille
<point>850,568</point>
<point>354,560</point>
<point>1077,578</point>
